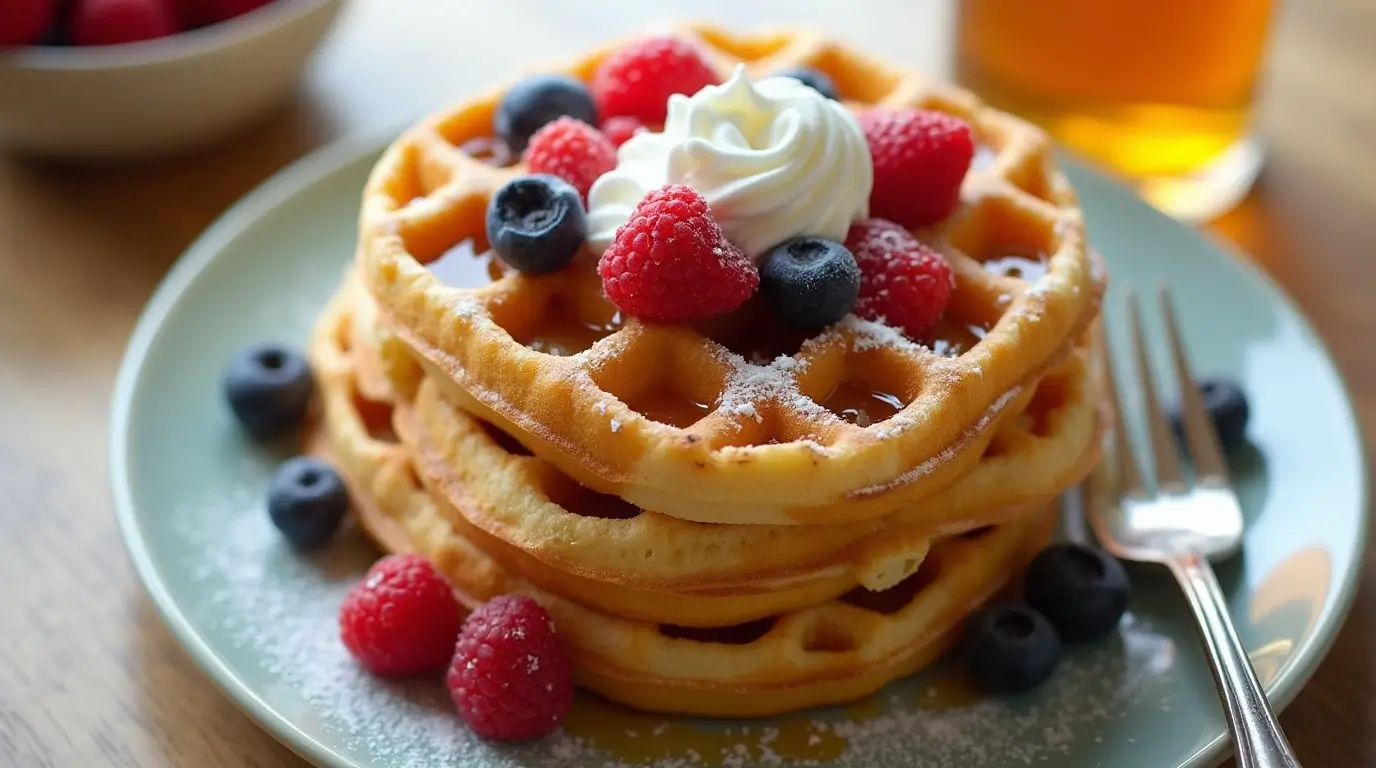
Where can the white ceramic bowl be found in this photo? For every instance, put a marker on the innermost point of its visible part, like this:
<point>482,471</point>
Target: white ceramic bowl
<point>161,96</point>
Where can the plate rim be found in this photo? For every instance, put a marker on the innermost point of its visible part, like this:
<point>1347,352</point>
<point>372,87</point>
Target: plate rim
<point>313,167</point>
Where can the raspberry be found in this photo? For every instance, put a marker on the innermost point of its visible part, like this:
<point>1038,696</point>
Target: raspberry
<point>572,150</point>
<point>25,21</point>
<point>202,12</point>
<point>621,128</point>
<point>402,619</point>
<point>638,80</point>
<point>510,678</point>
<point>670,261</point>
<point>920,158</point>
<point>902,282</point>
<point>113,22</point>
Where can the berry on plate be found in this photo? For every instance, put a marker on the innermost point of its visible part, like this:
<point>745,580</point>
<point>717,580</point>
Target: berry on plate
<point>1081,590</point>
<point>813,78</point>
<point>537,101</point>
<point>25,22</point>
<point>902,282</point>
<point>809,282</point>
<point>535,223</point>
<point>620,128</point>
<point>1228,410</point>
<point>199,13</point>
<point>306,501</point>
<point>511,678</point>
<point>639,79</point>
<point>670,262</point>
<point>402,619</point>
<point>920,159</point>
<point>572,150</point>
<point>114,22</point>
<point>268,388</point>
<point>1010,648</point>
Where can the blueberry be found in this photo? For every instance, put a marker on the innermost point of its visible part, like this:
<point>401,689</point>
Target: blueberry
<point>815,79</point>
<point>306,501</point>
<point>1081,590</point>
<point>537,100</point>
<point>268,388</point>
<point>1228,409</point>
<point>1010,648</point>
<point>809,283</point>
<point>535,223</point>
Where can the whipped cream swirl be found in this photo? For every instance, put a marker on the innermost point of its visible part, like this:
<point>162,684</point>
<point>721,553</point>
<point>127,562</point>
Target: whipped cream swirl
<point>775,159</point>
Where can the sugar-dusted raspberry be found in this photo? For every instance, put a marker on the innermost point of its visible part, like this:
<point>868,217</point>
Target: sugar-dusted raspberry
<point>620,128</point>
<point>402,619</point>
<point>572,150</point>
<point>670,262</point>
<point>112,22</point>
<point>511,677</point>
<point>902,282</point>
<point>25,21</point>
<point>638,80</point>
<point>920,159</point>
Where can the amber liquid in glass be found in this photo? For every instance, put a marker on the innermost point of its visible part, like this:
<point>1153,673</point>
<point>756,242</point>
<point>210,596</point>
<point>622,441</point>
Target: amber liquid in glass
<point>1158,91</point>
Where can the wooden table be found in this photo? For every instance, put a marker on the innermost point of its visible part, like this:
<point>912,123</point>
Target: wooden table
<point>88,674</point>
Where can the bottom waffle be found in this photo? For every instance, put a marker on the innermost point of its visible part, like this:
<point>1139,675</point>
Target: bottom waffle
<point>831,652</point>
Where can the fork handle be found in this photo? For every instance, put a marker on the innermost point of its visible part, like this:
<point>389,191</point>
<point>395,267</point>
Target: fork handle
<point>1258,737</point>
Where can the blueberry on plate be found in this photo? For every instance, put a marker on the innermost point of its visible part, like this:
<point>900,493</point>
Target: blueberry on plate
<point>815,79</point>
<point>1228,409</point>
<point>1010,648</point>
<point>809,283</point>
<point>535,223</point>
<point>306,501</point>
<point>1081,590</point>
<point>268,388</point>
<point>537,100</point>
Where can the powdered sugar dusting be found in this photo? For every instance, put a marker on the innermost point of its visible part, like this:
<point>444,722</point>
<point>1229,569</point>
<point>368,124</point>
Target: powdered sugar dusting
<point>874,335</point>
<point>751,384</point>
<point>272,614</point>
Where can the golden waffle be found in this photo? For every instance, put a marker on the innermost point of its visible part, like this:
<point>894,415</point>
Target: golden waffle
<point>830,652</point>
<point>711,423</point>
<point>607,554</point>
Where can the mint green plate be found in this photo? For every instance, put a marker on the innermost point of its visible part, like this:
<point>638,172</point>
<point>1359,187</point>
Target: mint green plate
<point>261,620</point>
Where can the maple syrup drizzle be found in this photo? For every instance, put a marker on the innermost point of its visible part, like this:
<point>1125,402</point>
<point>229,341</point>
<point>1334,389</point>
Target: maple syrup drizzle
<point>953,339</point>
<point>634,737</point>
<point>463,267</point>
<point>861,404</point>
<point>950,688</point>
<point>668,406</point>
<point>562,333</point>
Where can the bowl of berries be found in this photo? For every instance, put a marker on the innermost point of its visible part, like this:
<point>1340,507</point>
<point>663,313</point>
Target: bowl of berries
<point>90,79</point>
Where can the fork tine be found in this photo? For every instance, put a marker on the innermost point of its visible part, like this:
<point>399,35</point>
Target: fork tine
<point>1167,460</point>
<point>1200,435</point>
<point>1126,470</point>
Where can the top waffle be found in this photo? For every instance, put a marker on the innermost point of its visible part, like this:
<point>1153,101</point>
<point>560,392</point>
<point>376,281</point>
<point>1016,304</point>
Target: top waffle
<point>732,421</point>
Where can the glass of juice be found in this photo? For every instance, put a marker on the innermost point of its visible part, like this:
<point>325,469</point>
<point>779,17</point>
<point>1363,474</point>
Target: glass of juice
<point>1161,92</point>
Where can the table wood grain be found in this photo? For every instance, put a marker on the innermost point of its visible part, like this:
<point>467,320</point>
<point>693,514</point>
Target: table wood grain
<point>88,674</point>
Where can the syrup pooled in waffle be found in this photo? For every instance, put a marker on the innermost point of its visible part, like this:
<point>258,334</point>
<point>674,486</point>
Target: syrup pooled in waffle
<point>711,423</point>
<point>607,554</point>
<point>837,649</point>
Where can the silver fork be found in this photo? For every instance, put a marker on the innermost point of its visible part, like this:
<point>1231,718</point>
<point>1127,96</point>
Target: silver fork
<point>1182,525</point>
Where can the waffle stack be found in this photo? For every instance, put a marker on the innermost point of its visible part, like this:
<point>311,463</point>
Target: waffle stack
<point>723,519</point>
